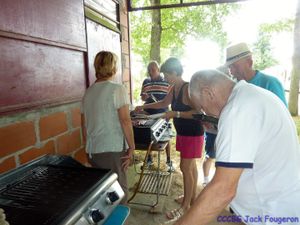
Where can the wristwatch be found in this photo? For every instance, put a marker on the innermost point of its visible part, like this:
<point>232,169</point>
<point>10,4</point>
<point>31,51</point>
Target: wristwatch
<point>177,114</point>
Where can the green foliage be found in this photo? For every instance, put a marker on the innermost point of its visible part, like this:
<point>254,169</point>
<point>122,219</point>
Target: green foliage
<point>200,22</point>
<point>136,95</point>
<point>263,52</point>
<point>279,26</point>
<point>262,47</point>
<point>140,23</point>
<point>178,23</point>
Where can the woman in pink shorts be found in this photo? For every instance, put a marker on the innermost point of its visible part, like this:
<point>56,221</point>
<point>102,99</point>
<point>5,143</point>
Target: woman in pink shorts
<point>190,133</point>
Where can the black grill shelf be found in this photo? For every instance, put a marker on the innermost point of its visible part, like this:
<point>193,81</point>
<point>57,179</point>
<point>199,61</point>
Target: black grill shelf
<point>45,194</point>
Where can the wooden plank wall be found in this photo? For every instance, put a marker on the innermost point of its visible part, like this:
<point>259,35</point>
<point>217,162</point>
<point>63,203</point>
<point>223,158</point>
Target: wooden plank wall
<point>42,50</point>
<point>100,38</point>
<point>44,60</point>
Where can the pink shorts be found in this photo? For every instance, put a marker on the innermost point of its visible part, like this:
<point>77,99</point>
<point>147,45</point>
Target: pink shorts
<point>189,146</point>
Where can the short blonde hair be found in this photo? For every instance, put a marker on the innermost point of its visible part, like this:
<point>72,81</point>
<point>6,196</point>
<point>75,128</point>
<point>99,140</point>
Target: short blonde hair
<point>105,64</point>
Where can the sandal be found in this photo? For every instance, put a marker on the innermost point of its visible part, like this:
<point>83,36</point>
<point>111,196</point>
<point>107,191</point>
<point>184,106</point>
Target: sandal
<point>175,214</point>
<point>179,199</point>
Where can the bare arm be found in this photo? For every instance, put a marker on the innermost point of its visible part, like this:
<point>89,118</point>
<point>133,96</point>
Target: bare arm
<point>185,115</point>
<point>186,100</point>
<point>214,198</point>
<point>158,105</point>
<point>126,125</point>
<point>83,128</point>
<point>144,95</point>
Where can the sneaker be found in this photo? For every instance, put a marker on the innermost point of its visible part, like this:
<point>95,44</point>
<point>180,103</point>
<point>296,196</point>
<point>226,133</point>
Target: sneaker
<point>170,166</point>
<point>149,162</point>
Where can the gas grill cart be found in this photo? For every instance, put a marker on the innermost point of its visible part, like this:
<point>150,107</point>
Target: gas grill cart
<point>57,190</point>
<point>152,135</point>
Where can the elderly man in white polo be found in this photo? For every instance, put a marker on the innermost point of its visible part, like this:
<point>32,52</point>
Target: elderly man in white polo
<point>240,63</point>
<point>257,155</point>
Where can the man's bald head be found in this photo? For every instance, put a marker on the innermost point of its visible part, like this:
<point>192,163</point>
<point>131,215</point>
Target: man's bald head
<point>209,90</point>
<point>208,78</point>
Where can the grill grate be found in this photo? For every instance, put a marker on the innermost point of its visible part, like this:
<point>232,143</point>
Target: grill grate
<point>149,183</point>
<point>47,193</point>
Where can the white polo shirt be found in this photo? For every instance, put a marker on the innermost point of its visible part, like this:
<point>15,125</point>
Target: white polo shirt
<point>100,107</point>
<point>257,133</point>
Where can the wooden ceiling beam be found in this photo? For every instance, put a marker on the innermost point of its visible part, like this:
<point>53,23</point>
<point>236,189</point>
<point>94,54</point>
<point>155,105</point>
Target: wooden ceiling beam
<point>181,4</point>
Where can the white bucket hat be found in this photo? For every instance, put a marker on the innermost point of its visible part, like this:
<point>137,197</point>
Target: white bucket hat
<point>236,52</point>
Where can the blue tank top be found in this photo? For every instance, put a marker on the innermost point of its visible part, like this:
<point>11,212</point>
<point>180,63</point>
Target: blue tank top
<point>185,127</point>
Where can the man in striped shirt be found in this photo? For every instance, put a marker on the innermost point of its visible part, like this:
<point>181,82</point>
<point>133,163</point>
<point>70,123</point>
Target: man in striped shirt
<point>154,89</point>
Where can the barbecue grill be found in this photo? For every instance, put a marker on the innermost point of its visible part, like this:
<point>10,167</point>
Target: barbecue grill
<point>149,128</point>
<point>151,133</point>
<point>58,190</point>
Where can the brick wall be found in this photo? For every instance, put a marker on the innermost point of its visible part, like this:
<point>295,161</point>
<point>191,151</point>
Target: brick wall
<point>30,135</point>
<point>125,45</point>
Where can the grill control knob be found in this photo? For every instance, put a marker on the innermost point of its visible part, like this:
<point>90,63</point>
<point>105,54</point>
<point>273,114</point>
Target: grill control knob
<point>95,216</point>
<point>111,197</point>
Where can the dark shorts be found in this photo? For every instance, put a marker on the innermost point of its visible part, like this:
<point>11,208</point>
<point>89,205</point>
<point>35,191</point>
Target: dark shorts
<point>210,145</point>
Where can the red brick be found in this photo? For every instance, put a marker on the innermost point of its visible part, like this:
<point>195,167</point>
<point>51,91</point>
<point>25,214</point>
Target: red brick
<point>15,137</point>
<point>124,33</point>
<point>53,125</point>
<point>126,76</point>
<point>125,47</point>
<point>7,164</point>
<point>81,156</point>
<point>68,142</point>
<point>123,19</point>
<point>76,117</point>
<point>127,61</point>
<point>123,6</point>
<point>127,86</point>
<point>34,153</point>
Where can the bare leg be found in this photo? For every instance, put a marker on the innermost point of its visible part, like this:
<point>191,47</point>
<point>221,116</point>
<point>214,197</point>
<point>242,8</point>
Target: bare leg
<point>206,166</point>
<point>180,198</point>
<point>195,175</point>
<point>189,171</point>
<point>189,181</point>
<point>168,150</point>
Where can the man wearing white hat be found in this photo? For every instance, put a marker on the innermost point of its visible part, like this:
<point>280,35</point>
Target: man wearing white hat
<point>239,60</point>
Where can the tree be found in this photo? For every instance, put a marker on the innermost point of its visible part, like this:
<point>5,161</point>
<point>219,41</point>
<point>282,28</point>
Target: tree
<point>263,52</point>
<point>173,26</point>
<point>294,86</point>
<point>156,30</point>
<point>262,47</point>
